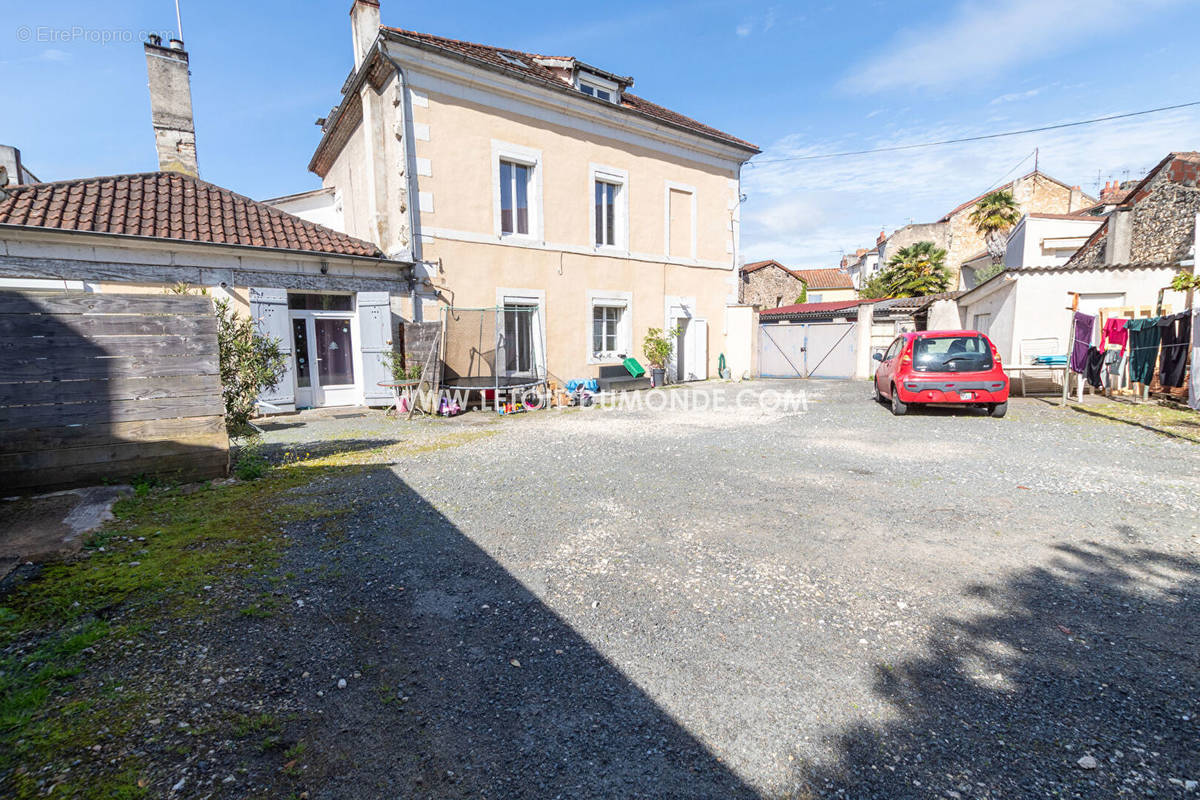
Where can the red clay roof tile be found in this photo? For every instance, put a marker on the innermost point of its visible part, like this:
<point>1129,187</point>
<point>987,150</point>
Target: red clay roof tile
<point>167,205</point>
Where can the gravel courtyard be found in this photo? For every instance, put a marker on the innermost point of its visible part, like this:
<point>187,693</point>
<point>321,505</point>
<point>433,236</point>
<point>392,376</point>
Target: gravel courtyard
<point>759,600</point>
<point>747,601</point>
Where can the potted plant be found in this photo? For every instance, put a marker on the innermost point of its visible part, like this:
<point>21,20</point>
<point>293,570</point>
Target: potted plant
<point>657,348</point>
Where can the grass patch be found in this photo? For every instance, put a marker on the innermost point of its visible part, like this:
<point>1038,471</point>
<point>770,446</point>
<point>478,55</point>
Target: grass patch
<point>1175,422</point>
<point>164,557</point>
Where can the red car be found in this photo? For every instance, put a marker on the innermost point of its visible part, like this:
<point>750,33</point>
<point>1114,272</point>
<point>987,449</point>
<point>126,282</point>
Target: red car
<point>942,367</point>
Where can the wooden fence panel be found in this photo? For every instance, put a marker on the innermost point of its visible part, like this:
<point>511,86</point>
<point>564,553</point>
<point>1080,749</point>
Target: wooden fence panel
<point>105,387</point>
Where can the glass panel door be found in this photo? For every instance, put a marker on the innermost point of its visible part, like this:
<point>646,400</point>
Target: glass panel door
<point>300,352</point>
<point>518,339</point>
<point>335,352</point>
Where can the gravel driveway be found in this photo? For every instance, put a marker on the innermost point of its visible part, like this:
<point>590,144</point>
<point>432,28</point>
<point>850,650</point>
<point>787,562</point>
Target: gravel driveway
<point>742,602</point>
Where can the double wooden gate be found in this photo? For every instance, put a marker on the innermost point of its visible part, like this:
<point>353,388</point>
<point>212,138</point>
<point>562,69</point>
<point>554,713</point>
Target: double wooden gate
<point>806,350</point>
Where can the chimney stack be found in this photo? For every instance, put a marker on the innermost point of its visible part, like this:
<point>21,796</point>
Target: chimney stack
<point>364,27</point>
<point>171,106</point>
<point>882,238</point>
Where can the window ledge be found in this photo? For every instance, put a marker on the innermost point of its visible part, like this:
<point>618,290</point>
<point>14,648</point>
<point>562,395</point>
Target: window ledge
<point>610,250</point>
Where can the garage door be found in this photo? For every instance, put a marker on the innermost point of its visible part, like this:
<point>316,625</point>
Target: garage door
<point>807,350</point>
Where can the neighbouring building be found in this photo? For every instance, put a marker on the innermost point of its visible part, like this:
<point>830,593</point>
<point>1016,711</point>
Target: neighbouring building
<point>769,284</point>
<point>827,285</point>
<point>1035,192</point>
<point>521,180</point>
<point>863,265</point>
<point>325,295</point>
<point>1037,240</point>
<point>1123,268</point>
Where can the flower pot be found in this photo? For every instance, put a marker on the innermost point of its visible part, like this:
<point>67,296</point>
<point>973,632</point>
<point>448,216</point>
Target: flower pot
<point>658,376</point>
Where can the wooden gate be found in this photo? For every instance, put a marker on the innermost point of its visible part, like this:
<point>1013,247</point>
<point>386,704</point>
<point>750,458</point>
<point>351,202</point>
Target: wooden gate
<point>105,387</point>
<point>807,350</point>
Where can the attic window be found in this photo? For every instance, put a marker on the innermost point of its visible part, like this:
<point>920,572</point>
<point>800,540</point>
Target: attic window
<point>516,62</point>
<point>595,91</point>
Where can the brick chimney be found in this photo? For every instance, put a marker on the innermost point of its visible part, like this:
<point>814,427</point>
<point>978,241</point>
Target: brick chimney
<point>881,238</point>
<point>1111,193</point>
<point>364,27</point>
<point>171,106</point>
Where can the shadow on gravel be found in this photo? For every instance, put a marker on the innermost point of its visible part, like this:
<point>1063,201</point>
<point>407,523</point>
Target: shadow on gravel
<point>470,686</point>
<point>1094,656</point>
<point>279,452</point>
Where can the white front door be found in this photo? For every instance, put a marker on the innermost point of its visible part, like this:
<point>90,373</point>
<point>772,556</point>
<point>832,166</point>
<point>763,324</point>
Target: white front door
<point>323,343</point>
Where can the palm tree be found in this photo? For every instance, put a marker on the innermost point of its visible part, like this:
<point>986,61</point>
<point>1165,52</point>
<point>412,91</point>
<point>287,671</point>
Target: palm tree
<point>917,270</point>
<point>993,216</point>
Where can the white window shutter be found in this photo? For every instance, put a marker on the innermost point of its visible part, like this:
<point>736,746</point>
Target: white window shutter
<point>697,360</point>
<point>375,326</point>
<point>269,310</point>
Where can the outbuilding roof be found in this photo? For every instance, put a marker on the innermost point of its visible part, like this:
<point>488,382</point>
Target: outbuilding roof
<point>170,206</point>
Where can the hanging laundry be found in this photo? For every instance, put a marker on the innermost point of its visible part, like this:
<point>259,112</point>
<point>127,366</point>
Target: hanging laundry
<point>1114,333</point>
<point>1085,324</point>
<point>1176,333</point>
<point>1144,336</point>
<point>1194,389</point>
<point>1112,360</point>
<point>1095,368</point>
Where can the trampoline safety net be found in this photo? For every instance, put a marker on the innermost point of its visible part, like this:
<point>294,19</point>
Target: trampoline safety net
<point>493,348</point>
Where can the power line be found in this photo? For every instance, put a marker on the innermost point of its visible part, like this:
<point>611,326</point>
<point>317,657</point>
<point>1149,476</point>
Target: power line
<point>977,138</point>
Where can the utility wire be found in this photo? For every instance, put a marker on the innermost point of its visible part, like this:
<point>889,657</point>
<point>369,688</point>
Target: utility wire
<point>1011,171</point>
<point>976,138</point>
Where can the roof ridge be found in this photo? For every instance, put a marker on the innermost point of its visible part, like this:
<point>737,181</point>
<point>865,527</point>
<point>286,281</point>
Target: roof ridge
<point>525,53</point>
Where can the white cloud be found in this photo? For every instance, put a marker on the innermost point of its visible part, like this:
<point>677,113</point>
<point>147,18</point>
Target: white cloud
<point>1014,96</point>
<point>744,30</point>
<point>804,212</point>
<point>981,41</point>
<point>54,55</point>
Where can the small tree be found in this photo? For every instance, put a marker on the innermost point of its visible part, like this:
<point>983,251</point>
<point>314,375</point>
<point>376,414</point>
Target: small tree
<point>916,270</point>
<point>993,217</point>
<point>658,345</point>
<point>249,364</point>
<point>875,288</point>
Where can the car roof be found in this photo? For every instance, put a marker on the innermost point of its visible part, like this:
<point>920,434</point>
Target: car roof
<point>920,334</point>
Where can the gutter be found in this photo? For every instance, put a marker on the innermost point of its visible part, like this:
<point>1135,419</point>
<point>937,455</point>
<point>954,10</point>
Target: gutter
<point>382,260</point>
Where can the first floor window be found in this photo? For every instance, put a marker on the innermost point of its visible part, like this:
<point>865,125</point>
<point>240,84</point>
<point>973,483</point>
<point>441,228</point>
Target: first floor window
<point>606,329</point>
<point>514,197</point>
<point>607,194</point>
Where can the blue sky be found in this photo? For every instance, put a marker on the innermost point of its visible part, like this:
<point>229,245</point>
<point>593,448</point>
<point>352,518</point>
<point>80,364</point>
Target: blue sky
<point>798,79</point>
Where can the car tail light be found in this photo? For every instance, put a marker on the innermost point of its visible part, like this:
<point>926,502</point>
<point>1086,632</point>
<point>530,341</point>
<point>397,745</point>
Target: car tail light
<point>995,354</point>
<point>906,357</point>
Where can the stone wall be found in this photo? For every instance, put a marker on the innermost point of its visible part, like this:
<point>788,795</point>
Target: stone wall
<point>1164,224</point>
<point>769,287</point>
<point>1035,193</point>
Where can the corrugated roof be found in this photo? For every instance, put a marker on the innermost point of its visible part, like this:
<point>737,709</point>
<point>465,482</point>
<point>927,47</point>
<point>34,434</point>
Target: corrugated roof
<point>168,205</point>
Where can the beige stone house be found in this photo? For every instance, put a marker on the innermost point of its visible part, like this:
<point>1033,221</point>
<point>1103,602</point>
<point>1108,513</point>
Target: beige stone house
<point>522,180</point>
<point>1035,192</point>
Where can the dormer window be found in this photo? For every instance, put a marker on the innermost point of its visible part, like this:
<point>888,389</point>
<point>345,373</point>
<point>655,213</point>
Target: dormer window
<point>595,91</point>
<point>599,87</point>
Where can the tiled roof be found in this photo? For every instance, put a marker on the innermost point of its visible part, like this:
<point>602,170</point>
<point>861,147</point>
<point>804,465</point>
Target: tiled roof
<point>918,303</point>
<point>1078,216</point>
<point>527,66</point>
<point>757,265</point>
<point>824,278</point>
<point>801,309</point>
<point>168,205</point>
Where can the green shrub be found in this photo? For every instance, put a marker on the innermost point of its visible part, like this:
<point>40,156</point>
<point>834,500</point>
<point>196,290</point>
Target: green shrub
<point>249,364</point>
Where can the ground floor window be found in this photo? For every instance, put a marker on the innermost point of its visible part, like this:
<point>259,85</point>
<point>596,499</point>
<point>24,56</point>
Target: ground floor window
<point>606,330</point>
<point>518,338</point>
<point>609,325</point>
<point>299,301</point>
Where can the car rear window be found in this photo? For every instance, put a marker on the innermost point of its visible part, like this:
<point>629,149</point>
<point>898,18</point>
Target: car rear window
<point>951,354</point>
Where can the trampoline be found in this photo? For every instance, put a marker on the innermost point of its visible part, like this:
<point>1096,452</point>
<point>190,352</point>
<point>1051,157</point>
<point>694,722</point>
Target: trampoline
<point>497,353</point>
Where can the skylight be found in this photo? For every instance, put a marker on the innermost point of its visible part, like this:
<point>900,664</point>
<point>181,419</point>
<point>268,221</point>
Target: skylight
<point>516,62</point>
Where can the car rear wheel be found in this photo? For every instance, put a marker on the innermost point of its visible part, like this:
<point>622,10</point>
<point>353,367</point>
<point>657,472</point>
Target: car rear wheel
<point>899,407</point>
<point>998,410</point>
